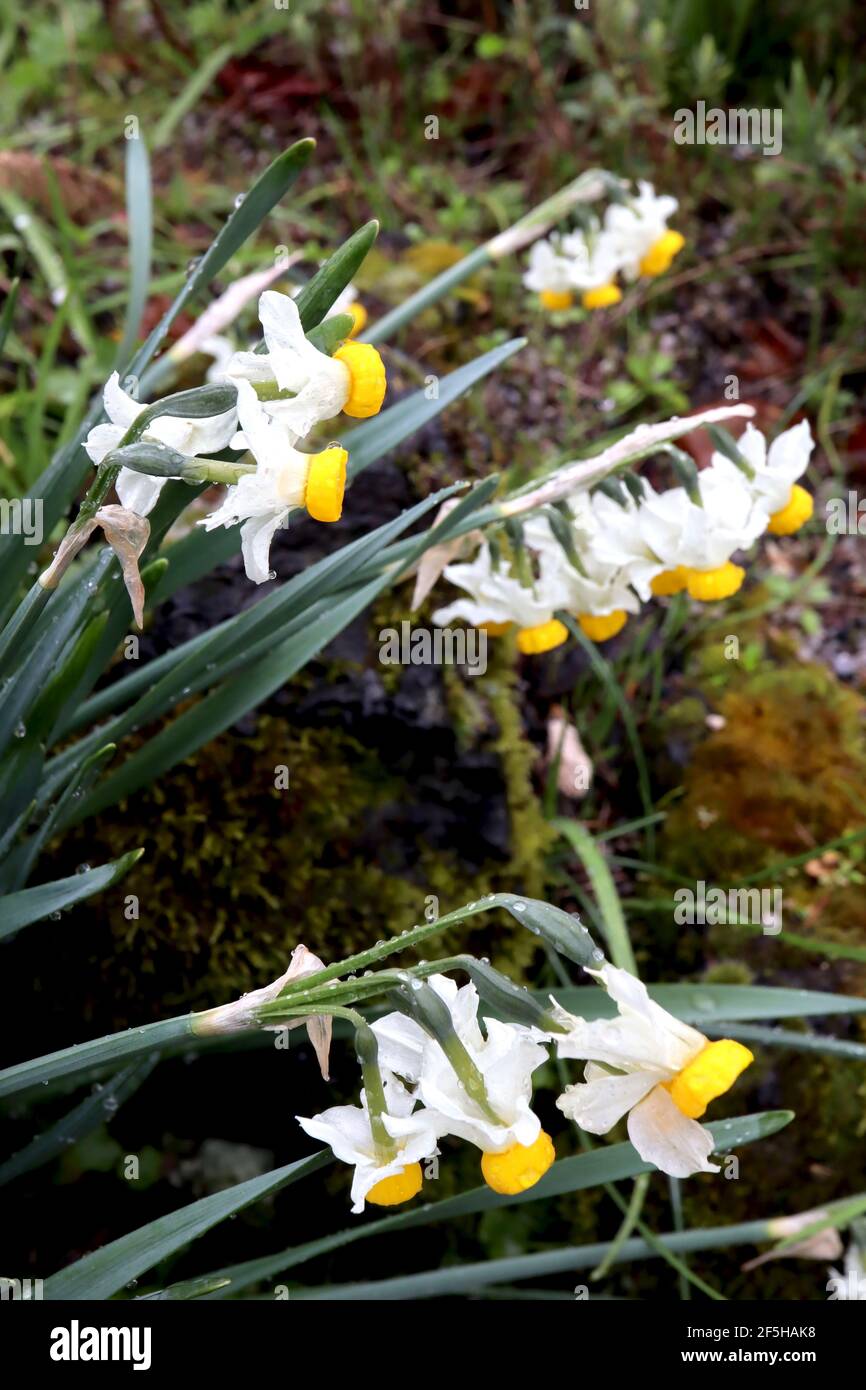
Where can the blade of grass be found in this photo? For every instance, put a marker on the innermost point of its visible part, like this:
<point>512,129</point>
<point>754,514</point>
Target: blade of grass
<point>610,908</point>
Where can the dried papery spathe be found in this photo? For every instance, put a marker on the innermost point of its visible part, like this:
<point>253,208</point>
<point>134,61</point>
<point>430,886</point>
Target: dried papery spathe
<point>126,532</point>
<point>242,1014</point>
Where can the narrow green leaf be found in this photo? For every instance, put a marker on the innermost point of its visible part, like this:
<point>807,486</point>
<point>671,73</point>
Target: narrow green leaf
<point>106,1271</point>
<point>428,295</point>
<point>96,1110</point>
<point>239,641</point>
<point>245,219</point>
<point>15,872</point>
<point>611,1163</point>
<point>9,310</point>
<point>200,79</point>
<point>835,950</point>
<point>89,1060</point>
<point>225,705</point>
<point>188,1288</point>
<point>18,910</point>
<point>62,618</point>
<point>606,896</point>
<point>794,1041</point>
<point>319,293</point>
<point>698,1003</point>
<point>368,442</point>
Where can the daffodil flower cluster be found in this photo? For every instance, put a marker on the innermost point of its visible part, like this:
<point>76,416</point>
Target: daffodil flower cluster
<point>480,1092</point>
<point>632,240</point>
<point>621,553</point>
<point>644,1063</point>
<point>283,393</point>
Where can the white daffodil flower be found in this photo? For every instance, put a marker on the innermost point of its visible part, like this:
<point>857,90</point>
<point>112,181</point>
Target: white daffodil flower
<point>497,600</point>
<point>516,1151</point>
<point>600,597</point>
<point>595,260</point>
<point>850,1285</point>
<point>639,232</point>
<point>651,1066</point>
<point>284,480</point>
<point>138,492</point>
<point>695,543</point>
<point>383,1176</point>
<point>619,541</point>
<point>776,470</point>
<point>352,381</point>
<point>549,274</point>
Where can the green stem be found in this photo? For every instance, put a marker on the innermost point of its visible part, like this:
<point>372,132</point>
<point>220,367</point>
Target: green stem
<point>603,671</point>
<point>367,1048</point>
<point>629,1221</point>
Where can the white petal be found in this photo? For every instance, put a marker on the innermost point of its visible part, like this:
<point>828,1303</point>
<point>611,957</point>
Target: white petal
<point>632,996</point>
<point>666,1137</point>
<point>401,1045</point>
<point>102,439</point>
<point>138,492</point>
<point>263,438</point>
<point>473,614</point>
<point>211,433</point>
<point>789,454</point>
<point>250,366</point>
<point>753,447</point>
<point>628,1044</point>
<point>597,1104</point>
<point>345,1129</point>
<point>257,534</point>
<point>120,408</point>
<point>281,324</point>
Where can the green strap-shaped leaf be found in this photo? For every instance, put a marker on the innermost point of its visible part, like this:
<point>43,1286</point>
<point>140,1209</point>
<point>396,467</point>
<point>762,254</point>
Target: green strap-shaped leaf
<point>610,1163</point>
<point>186,1289</point>
<point>18,910</point>
<point>368,442</point>
<point>200,552</point>
<point>110,1269</point>
<point>610,908</point>
<point>329,281</point>
<point>225,705</point>
<point>17,866</point>
<point>715,1003</point>
<point>97,1109</point>
<point>794,1041</point>
<point>705,1005</point>
<point>9,310</point>
<point>240,640</point>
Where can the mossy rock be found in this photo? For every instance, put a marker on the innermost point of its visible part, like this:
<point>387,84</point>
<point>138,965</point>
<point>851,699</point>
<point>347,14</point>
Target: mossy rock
<point>238,867</point>
<point>786,770</point>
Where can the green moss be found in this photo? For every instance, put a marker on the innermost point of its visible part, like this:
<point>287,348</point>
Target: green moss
<point>786,770</point>
<point>238,870</point>
<point>531,835</point>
